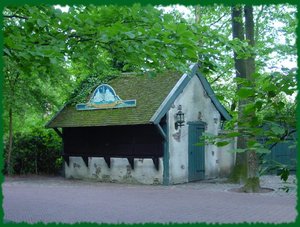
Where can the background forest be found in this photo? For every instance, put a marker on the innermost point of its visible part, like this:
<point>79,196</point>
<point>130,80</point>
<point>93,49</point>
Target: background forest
<point>54,54</point>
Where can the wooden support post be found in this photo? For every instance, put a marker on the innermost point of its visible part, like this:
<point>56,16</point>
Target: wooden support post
<point>156,163</point>
<point>86,160</point>
<point>131,162</point>
<point>58,132</point>
<point>107,160</point>
<point>66,158</point>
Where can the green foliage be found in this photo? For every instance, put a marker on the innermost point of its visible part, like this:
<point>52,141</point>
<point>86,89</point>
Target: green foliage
<point>284,173</point>
<point>35,78</point>
<point>245,92</point>
<point>126,38</point>
<point>36,152</point>
<point>47,53</point>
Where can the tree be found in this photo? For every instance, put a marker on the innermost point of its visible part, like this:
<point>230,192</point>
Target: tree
<point>251,152</point>
<point>260,94</point>
<point>240,170</point>
<point>31,54</point>
<point>46,52</point>
<point>252,183</point>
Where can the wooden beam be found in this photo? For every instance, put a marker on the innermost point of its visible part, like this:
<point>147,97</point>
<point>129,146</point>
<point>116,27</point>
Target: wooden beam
<point>161,131</point>
<point>156,162</point>
<point>66,158</point>
<point>86,160</point>
<point>131,162</point>
<point>107,160</point>
<point>58,132</point>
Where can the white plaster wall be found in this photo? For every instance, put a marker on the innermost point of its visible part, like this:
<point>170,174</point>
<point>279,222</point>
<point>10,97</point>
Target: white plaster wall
<point>226,158</point>
<point>144,171</point>
<point>196,106</point>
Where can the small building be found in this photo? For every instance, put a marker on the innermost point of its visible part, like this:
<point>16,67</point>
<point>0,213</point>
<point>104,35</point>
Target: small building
<point>142,129</point>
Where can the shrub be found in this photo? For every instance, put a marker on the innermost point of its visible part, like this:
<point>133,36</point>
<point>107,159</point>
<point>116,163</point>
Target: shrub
<point>36,152</point>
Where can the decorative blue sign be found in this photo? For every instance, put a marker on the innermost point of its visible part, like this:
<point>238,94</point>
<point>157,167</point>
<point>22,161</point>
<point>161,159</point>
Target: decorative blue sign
<point>105,97</point>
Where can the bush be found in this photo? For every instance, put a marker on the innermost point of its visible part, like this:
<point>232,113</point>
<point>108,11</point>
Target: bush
<point>36,152</point>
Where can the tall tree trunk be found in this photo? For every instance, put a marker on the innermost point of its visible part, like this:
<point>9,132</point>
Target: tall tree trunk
<point>252,184</point>
<point>249,28</point>
<point>9,167</point>
<point>246,167</point>
<point>239,173</point>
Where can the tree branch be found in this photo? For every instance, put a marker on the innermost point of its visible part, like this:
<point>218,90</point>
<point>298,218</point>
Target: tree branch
<point>282,138</point>
<point>220,18</point>
<point>216,79</point>
<point>15,16</point>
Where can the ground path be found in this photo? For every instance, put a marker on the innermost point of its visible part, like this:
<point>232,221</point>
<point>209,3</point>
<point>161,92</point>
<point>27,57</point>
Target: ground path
<point>55,199</point>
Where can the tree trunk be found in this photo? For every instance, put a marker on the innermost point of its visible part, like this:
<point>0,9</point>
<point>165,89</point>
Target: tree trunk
<point>249,25</point>
<point>9,167</point>
<point>246,167</point>
<point>239,173</point>
<point>252,183</point>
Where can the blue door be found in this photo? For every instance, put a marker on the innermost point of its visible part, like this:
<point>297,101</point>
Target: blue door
<point>196,152</point>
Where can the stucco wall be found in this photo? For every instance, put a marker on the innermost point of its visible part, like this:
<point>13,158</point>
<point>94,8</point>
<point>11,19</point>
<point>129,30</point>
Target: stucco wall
<point>196,106</point>
<point>120,170</point>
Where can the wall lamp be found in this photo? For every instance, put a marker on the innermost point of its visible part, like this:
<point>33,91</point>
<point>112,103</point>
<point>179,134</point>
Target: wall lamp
<point>179,118</point>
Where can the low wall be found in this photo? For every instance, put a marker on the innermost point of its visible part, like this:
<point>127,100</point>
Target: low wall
<point>144,171</point>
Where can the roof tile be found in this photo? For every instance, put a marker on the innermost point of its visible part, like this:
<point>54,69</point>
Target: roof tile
<point>149,93</point>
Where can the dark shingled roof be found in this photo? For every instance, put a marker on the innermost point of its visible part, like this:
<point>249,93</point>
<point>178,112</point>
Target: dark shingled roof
<point>149,93</point>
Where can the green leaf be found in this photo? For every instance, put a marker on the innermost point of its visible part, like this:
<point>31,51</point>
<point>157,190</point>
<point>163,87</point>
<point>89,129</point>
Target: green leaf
<point>249,108</point>
<point>259,104</point>
<point>7,52</point>
<point>220,97</point>
<point>245,92</point>
<point>271,94</point>
<point>171,53</point>
<point>41,23</point>
<point>104,38</point>
<point>256,75</point>
<point>262,150</point>
<point>131,35</point>
<point>251,143</point>
<point>233,134</point>
<point>280,105</point>
<point>277,130</point>
<point>270,87</point>
<point>200,144</point>
<point>284,173</point>
<point>222,143</point>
